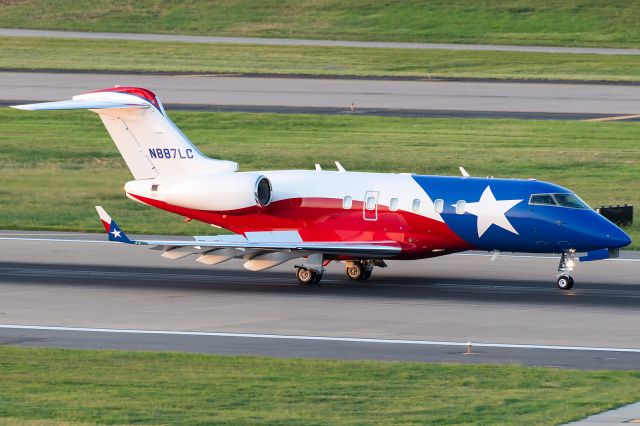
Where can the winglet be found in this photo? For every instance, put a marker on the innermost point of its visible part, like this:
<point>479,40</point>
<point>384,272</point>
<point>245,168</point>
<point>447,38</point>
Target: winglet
<point>113,230</point>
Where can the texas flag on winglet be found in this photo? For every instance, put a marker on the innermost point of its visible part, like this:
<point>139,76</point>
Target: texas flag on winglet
<point>113,230</point>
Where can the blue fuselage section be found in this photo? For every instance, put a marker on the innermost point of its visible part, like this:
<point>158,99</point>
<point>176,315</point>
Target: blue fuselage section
<point>497,214</point>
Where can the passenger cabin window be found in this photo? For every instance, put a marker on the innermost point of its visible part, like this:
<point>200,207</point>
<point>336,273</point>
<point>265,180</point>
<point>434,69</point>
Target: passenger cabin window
<point>347,202</point>
<point>461,206</point>
<point>415,206</point>
<point>371,203</point>
<point>393,205</point>
<point>542,199</point>
<point>438,205</point>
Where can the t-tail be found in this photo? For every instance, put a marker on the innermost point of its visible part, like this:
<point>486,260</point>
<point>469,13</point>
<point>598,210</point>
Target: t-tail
<point>151,145</point>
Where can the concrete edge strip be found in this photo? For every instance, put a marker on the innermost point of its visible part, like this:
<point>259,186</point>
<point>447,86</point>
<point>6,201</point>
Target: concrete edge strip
<point>317,338</point>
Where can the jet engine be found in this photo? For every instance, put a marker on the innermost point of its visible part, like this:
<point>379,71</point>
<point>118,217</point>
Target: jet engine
<point>218,192</point>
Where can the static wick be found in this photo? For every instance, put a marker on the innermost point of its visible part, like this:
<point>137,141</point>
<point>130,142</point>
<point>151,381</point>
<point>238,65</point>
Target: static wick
<point>469,349</point>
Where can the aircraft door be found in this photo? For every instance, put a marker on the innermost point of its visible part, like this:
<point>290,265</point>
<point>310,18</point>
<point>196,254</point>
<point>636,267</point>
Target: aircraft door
<point>370,205</point>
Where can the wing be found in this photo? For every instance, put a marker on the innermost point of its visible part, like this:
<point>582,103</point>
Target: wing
<point>260,250</point>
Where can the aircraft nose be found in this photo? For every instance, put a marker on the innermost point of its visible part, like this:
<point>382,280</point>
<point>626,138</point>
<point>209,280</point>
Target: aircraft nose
<point>616,237</point>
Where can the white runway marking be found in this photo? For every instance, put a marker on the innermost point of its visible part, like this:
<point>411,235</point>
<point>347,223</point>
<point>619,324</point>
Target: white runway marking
<point>319,338</point>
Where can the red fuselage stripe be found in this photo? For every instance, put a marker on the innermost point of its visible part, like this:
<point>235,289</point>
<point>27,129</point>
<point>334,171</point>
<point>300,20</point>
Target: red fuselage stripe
<point>324,219</point>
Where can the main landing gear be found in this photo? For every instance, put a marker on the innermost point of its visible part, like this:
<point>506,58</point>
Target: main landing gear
<point>307,276</point>
<point>311,271</point>
<point>567,263</point>
<point>358,270</point>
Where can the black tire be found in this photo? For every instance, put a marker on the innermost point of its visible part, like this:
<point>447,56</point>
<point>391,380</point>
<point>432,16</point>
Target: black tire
<point>565,282</point>
<point>306,276</point>
<point>355,271</point>
<point>318,278</point>
<point>367,274</point>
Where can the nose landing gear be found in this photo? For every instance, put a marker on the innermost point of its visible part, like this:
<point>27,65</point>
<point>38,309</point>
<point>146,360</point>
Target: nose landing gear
<point>567,263</point>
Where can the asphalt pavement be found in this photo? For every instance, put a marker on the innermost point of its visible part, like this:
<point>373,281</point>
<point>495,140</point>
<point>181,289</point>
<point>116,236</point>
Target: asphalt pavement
<point>489,99</point>
<point>106,295</point>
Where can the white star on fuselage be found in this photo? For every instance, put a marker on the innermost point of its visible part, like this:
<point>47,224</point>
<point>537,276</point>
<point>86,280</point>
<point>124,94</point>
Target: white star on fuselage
<point>116,233</point>
<point>490,211</point>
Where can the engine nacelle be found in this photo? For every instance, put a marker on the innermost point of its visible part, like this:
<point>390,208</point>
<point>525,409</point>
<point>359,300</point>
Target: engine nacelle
<point>218,192</point>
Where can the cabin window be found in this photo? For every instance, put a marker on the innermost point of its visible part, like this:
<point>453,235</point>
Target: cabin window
<point>438,205</point>
<point>415,206</point>
<point>461,206</point>
<point>347,202</point>
<point>393,205</point>
<point>371,203</point>
<point>542,199</point>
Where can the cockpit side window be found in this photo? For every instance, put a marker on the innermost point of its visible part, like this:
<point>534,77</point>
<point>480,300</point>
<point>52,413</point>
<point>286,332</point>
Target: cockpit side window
<point>542,199</point>
<point>570,200</point>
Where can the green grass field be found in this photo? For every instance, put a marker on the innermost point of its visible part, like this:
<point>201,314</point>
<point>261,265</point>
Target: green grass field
<point>42,53</point>
<point>552,22</point>
<point>73,387</point>
<point>55,166</point>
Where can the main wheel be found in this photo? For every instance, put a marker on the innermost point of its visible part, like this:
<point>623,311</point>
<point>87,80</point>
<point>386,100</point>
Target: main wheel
<point>355,271</point>
<point>565,282</point>
<point>307,276</point>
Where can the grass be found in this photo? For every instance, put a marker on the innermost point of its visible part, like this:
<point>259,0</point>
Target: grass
<point>552,22</point>
<point>55,166</point>
<point>105,55</point>
<point>113,387</point>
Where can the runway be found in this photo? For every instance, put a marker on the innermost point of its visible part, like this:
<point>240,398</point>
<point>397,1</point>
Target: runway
<point>420,310</point>
<point>335,95</point>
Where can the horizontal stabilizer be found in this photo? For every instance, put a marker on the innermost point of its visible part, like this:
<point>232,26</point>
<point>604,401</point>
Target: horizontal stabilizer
<point>80,104</point>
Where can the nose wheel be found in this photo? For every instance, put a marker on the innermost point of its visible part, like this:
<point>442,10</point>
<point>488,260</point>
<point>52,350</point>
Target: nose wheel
<point>565,282</point>
<point>567,263</point>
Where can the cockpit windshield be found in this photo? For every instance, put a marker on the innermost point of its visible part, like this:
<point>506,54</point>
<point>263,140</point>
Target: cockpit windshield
<point>542,199</point>
<point>571,201</point>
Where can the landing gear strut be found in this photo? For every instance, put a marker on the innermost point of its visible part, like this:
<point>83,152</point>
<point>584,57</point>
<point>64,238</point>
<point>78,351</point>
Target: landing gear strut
<point>567,263</point>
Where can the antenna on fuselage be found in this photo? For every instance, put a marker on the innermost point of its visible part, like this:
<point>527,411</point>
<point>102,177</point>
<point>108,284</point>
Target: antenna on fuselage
<point>340,168</point>
<point>464,172</point>
<point>318,167</point>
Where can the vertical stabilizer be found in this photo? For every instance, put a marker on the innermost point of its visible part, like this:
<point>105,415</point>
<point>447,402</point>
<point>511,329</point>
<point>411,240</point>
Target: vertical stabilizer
<point>150,144</point>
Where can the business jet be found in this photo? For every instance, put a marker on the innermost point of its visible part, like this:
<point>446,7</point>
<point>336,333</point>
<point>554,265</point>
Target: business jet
<point>317,216</point>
